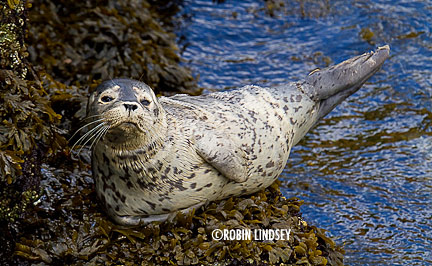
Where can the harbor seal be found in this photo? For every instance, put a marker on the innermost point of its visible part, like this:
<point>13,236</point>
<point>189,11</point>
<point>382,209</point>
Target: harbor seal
<point>152,156</point>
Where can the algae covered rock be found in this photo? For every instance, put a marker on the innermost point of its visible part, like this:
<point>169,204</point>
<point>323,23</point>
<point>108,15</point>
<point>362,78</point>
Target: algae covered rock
<point>48,50</point>
<point>82,41</point>
<point>92,239</point>
<point>52,54</point>
<point>28,132</point>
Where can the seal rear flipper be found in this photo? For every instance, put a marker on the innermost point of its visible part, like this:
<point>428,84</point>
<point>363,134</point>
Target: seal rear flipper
<point>221,153</point>
<point>333,85</point>
<point>329,82</point>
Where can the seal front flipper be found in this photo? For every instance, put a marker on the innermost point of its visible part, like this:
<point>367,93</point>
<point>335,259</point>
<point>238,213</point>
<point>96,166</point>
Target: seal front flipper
<point>221,153</point>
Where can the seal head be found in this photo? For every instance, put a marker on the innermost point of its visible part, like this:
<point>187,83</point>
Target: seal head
<point>130,110</point>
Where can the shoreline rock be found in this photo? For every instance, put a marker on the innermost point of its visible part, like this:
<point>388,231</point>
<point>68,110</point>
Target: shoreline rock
<point>48,208</point>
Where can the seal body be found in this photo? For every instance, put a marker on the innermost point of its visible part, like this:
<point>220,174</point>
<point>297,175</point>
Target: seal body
<point>157,156</point>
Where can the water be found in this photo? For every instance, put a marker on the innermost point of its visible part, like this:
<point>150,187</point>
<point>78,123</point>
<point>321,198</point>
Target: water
<point>365,172</point>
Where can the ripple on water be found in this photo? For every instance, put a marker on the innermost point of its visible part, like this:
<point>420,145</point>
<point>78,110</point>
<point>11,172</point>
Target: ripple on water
<point>365,172</point>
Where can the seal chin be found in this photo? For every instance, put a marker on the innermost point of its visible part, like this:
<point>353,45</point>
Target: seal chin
<point>129,125</point>
<point>123,132</point>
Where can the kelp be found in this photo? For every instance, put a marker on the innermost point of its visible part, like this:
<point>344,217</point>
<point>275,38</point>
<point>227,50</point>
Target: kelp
<point>92,239</point>
<point>48,208</point>
<point>41,77</point>
<point>71,43</point>
<point>27,124</point>
<point>27,121</point>
<point>81,41</point>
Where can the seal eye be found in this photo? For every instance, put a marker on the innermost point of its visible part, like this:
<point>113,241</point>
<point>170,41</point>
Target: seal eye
<point>107,99</point>
<point>145,102</point>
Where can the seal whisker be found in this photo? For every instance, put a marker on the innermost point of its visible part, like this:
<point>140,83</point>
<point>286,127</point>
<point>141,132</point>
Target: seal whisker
<point>93,136</point>
<point>140,78</point>
<point>99,135</point>
<point>84,126</point>
<point>80,140</point>
<point>88,117</point>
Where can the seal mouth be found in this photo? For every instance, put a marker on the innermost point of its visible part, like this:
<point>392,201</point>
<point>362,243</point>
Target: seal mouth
<point>126,125</point>
<point>129,125</point>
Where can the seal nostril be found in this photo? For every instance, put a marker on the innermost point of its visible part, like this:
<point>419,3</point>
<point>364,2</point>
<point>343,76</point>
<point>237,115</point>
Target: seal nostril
<point>130,107</point>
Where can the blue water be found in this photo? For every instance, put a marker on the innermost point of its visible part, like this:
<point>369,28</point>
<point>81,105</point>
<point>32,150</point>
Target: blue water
<point>365,172</point>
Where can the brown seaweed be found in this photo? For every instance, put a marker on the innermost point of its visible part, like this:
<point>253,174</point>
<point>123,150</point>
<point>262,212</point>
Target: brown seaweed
<point>48,208</point>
